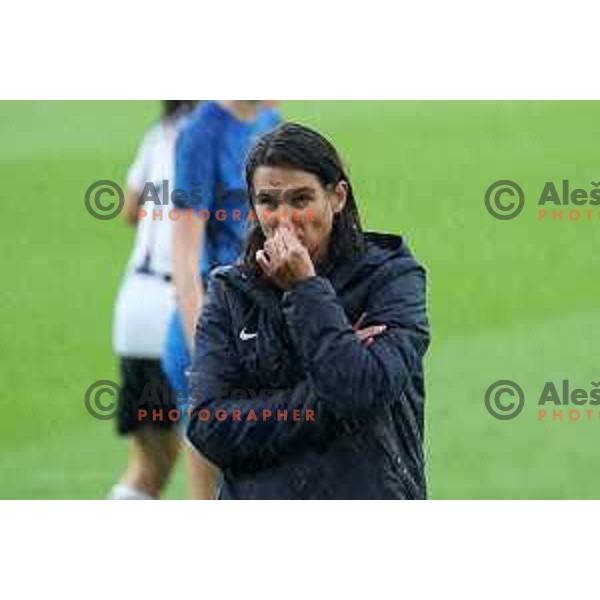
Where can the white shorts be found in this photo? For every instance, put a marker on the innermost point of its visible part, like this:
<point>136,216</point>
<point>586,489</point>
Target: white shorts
<point>143,310</point>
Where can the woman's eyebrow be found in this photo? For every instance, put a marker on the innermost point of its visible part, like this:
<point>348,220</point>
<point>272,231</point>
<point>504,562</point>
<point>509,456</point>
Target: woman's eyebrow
<point>300,190</point>
<point>268,192</point>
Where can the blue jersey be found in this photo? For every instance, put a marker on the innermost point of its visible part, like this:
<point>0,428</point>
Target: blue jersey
<point>209,168</point>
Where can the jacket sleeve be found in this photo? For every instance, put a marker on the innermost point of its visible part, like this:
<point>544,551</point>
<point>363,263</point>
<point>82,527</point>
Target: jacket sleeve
<point>248,443</point>
<point>351,379</point>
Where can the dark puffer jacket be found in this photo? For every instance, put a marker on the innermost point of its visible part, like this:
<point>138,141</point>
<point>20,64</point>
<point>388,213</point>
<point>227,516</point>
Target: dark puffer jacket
<point>260,351</point>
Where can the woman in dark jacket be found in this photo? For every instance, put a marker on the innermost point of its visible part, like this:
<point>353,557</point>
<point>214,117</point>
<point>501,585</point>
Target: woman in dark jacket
<point>307,379</point>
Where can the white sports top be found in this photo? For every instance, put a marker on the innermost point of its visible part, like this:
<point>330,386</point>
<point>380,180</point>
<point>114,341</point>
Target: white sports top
<point>155,162</point>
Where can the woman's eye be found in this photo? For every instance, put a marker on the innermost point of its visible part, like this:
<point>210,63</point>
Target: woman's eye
<point>301,200</point>
<point>264,200</point>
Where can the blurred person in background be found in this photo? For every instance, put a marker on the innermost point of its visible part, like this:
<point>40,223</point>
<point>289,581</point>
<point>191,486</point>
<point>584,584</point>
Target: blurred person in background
<point>325,328</point>
<point>143,308</point>
<point>210,156</point>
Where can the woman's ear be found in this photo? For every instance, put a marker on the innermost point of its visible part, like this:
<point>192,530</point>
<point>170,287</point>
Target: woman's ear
<point>338,196</point>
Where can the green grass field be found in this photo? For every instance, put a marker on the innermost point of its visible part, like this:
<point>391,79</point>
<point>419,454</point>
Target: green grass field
<point>508,299</point>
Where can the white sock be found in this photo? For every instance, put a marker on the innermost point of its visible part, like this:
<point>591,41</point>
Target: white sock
<point>122,491</point>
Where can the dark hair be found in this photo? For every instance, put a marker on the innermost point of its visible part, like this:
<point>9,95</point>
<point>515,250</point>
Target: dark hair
<point>172,108</point>
<point>298,147</point>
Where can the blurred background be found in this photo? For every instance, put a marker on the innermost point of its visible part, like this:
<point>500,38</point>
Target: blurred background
<point>511,299</point>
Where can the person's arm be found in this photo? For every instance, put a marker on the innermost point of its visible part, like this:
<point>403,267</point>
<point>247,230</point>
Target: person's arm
<point>130,214</point>
<point>194,169</point>
<point>137,177</point>
<point>245,443</point>
<point>351,379</point>
<point>187,239</point>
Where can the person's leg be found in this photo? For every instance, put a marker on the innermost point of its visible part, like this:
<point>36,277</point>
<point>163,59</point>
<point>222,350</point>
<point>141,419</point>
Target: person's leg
<point>201,475</point>
<point>153,445</point>
<point>152,454</point>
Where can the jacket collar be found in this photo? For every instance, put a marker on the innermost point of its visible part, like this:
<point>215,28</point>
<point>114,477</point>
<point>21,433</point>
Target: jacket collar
<point>379,248</point>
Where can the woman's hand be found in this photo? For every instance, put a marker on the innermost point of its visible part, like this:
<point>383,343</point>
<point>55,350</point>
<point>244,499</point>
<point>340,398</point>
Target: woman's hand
<point>368,334</point>
<point>284,259</point>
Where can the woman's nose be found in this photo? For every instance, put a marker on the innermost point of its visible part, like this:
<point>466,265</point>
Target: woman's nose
<point>280,216</point>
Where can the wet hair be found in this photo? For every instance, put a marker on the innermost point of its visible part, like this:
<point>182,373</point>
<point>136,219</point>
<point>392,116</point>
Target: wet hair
<point>175,108</point>
<point>297,147</point>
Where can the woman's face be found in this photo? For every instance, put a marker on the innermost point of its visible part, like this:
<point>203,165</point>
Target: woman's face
<point>285,194</point>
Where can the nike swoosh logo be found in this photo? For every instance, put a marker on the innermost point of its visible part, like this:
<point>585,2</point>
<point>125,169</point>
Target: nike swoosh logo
<point>245,336</point>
